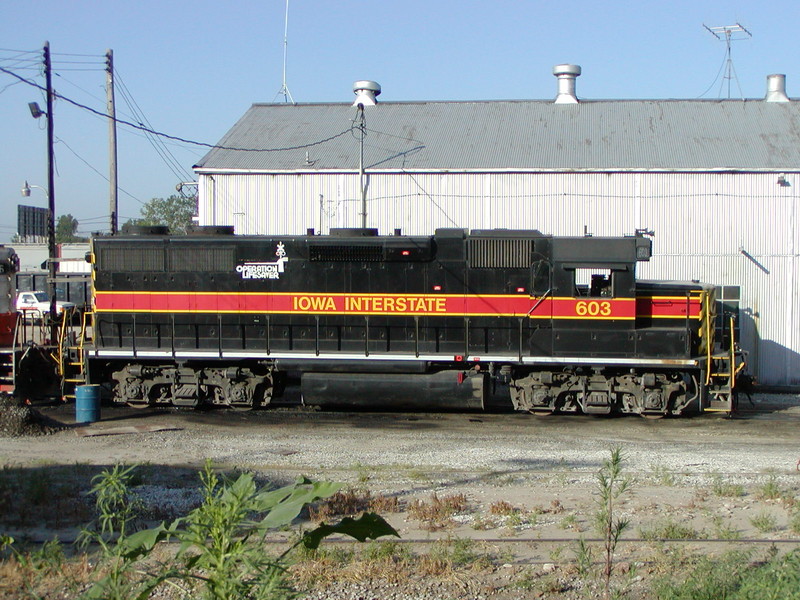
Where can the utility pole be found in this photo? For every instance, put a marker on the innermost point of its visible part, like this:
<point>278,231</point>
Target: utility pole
<point>51,197</point>
<point>113,203</point>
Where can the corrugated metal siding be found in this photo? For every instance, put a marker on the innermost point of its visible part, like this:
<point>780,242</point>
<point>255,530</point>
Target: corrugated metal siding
<point>702,223</point>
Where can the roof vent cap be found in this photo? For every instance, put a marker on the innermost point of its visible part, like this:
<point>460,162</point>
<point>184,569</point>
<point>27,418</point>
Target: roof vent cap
<point>366,92</point>
<point>776,88</point>
<point>566,83</point>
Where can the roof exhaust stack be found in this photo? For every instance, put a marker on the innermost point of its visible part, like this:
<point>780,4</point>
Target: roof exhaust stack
<point>776,88</point>
<point>566,83</point>
<point>366,92</point>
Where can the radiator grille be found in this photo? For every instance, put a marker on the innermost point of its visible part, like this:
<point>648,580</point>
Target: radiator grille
<point>346,253</point>
<point>130,259</point>
<point>198,258</point>
<point>499,253</point>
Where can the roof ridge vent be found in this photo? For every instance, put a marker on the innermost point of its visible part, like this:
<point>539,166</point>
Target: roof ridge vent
<point>567,74</point>
<point>776,88</point>
<point>366,92</point>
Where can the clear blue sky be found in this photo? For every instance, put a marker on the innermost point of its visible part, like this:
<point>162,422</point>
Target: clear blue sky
<point>193,68</point>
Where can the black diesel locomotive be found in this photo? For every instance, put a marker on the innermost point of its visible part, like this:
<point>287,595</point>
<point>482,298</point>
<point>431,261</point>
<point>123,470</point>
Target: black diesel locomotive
<point>456,319</point>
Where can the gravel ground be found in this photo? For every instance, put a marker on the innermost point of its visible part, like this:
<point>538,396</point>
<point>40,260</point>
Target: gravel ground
<point>545,467</point>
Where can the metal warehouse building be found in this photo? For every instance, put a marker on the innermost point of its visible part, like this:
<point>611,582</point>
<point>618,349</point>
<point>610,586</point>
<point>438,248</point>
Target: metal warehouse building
<point>715,180</point>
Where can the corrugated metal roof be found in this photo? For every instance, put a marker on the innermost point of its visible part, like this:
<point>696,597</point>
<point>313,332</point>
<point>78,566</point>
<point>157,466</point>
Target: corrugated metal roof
<point>524,135</point>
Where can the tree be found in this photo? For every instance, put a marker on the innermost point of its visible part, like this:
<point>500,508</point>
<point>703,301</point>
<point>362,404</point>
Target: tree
<point>66,226</point>
<point>175,212</point>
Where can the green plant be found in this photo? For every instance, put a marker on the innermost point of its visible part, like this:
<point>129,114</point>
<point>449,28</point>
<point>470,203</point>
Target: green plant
<point>764,522</point>
<point>733,577</point>
<point>794,522</point>
<point>362,472</point>
<point>726,489</point>
<point>668,529</point>
<point>569,522</point>
<point>584,558</point>
<point>384,550</point>
<point>611,485</point>
<point>770,490</point>
<point>723,531</point>
<point>458,552</point>
<point>219,542</point>
<point>662,475</point>
<point>116,512</point>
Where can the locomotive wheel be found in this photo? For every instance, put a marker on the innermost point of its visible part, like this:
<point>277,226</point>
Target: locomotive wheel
<point>653,416</point>
<point>140,404</point>
<point>542,413</point>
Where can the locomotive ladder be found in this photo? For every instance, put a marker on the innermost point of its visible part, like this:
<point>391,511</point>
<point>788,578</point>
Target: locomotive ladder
<point>721,371</point>
<point>8,366</point>
<point>71,363</point>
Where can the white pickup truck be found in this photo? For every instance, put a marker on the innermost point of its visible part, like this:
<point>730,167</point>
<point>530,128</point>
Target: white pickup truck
<point>36,304</point>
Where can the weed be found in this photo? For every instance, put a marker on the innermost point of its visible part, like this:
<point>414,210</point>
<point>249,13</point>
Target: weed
<point>668,529</point>
<point>502,508</point>
<point>383,550</point>
<point>362,473</point>
<point>417,475</point>
<point>436,513</point>
<point>733,576</point>
<point>219,545</point>
<point>611,487</point>
<point>458,553</point>
<point>726,489</point>
<point>6,541</point>
<point>347,502</point>
<point>770,490</point>
<point>352,502</point>
<point>526,580</point>
<point>480,523</point>
<point>723,531</point>
<point>794,522</point>
<point>570,522</point>
<point>557,554</point>
<point>384,504</point>
<point>662,475</point>
<point>584,557</point>
<point>764,522</point>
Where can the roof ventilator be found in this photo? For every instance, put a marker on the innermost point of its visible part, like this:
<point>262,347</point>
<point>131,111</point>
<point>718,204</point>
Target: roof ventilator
<point>567,74</point>
<point>366,92</point>
<point>776,88</point>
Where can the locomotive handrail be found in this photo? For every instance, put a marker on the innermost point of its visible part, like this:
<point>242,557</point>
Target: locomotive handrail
<point>709,348</point>
<point>538,302</point>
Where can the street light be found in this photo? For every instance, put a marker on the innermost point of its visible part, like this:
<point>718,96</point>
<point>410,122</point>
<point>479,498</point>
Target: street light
<point>26,190</point>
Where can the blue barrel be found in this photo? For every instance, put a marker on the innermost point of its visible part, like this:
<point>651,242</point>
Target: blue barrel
<point>87,403</point>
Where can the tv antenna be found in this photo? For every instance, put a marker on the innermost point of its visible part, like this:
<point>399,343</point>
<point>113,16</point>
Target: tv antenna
<point>730,33</point>
<point>284,91</point>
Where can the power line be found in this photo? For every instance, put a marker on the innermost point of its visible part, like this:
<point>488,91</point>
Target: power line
<point>158,145</point>
<point>173,137</point>
<point>84,161</point>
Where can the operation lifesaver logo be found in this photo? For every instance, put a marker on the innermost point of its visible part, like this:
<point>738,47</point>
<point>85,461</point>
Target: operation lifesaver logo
<point>264,270</point>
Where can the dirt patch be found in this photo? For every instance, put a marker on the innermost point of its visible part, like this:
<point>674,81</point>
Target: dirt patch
<point>17,419</point>
<point>523,490</point>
